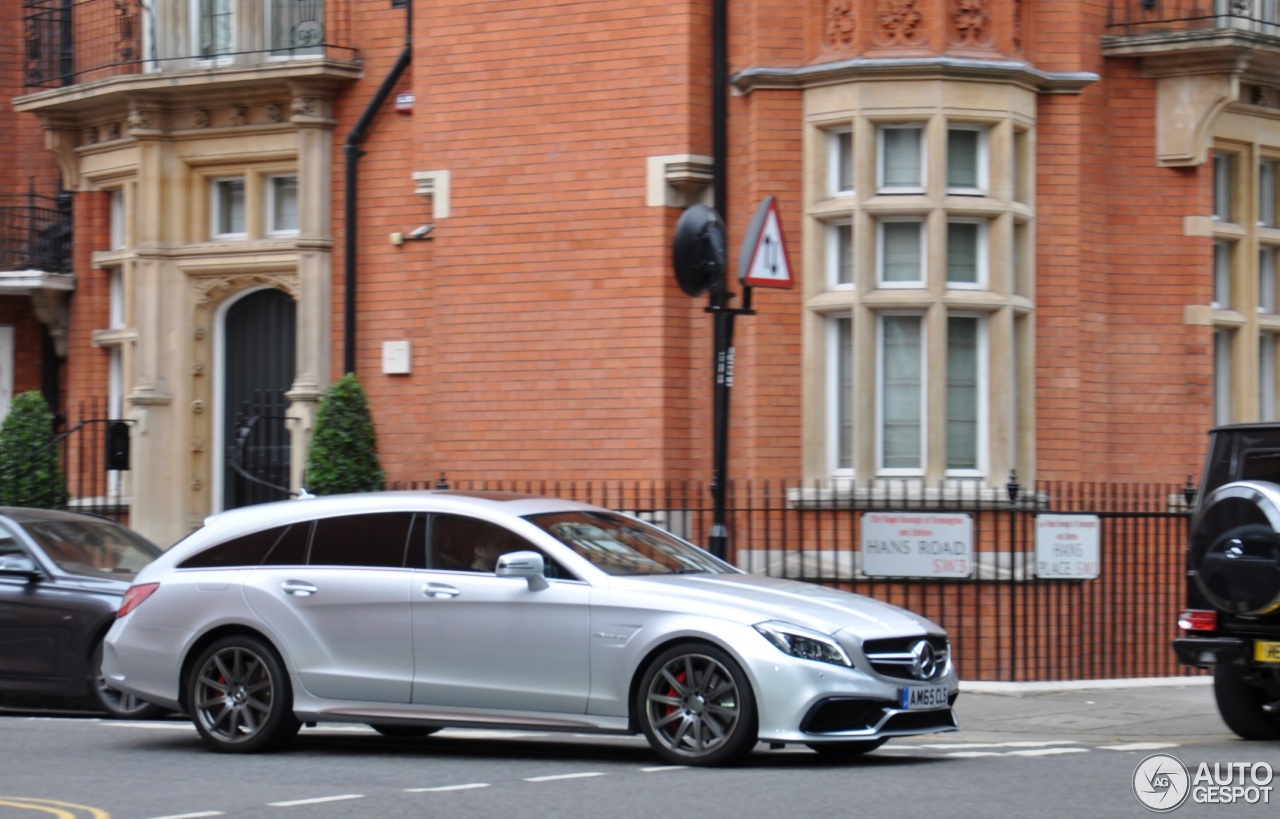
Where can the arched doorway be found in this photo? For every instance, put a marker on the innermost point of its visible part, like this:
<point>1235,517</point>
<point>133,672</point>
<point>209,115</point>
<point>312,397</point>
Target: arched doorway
<point>257,368</point>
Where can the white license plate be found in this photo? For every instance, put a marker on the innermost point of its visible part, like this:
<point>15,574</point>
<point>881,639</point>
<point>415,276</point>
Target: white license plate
<point>923,697</point>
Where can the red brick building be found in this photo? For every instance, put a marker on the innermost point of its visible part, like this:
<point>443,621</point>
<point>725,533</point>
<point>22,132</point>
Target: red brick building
<point>1025,235</point>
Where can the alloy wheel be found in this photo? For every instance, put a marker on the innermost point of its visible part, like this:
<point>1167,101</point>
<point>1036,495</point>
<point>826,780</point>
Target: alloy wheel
<point>697,708</point>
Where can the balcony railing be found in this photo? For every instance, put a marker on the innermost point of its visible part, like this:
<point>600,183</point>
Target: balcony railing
<point>1154,17</point>
<point>35,233</point>
<point>69,42</point>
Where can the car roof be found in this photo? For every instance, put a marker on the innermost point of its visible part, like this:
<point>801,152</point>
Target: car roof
<point>478,502</point>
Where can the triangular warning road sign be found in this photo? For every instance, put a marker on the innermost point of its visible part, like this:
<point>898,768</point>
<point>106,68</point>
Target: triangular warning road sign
<point>766,265</point>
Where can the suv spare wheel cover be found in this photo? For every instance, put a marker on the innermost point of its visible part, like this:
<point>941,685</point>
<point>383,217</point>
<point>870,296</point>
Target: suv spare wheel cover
<point>1238,570</point>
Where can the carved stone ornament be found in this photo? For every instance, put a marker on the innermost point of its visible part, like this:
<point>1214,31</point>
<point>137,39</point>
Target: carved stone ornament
<point>1264,95</point>
<point>275,113</point>
<point>199,118</point>
<point>210,289</point>
<point>970,23</point>
<point>111,131</point>
<point>90,136</point>
<point>139,118</point>
<point>899,23</point>
<point>305,106</point>
<point>239,115</point>
<point>840,23</point>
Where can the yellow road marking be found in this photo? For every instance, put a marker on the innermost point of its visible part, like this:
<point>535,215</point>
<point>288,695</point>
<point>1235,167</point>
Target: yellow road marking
<point>53,807</point>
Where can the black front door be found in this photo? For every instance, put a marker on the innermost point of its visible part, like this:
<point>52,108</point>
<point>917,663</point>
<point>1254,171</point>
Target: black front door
<point>258,367</point>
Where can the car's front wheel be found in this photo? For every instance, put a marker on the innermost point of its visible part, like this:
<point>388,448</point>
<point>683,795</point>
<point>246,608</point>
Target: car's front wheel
<point>117,704</point>
<point>695,706</point>
<point>239,698</point>
<point>1242,704</point>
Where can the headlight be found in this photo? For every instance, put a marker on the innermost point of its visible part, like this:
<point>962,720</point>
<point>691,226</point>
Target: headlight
<point>804,643</point>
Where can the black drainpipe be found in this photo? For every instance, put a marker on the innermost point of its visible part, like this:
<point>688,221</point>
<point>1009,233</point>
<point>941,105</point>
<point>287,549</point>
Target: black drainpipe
<point>351,148</point>
<point>720,106</point>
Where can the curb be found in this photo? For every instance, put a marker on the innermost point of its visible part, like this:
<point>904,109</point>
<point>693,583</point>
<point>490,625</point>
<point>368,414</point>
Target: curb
<point>1016,689</point>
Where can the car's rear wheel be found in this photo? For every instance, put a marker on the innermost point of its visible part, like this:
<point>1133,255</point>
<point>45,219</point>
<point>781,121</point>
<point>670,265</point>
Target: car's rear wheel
<point>239,696</point>
<point>117,704</point>
<point>695,706</point>
<point>851,748</point>
<point>405,731</point>
<point>1241,704</point>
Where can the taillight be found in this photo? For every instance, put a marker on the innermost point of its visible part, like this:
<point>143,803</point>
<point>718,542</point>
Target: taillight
<point>134,597</point>
<point>1198,620</point>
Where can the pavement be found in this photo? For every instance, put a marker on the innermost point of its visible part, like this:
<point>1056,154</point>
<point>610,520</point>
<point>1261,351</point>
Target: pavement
<point>1179,709</point>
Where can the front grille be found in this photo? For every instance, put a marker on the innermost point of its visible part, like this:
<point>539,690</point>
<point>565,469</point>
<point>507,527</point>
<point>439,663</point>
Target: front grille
<point>896,657</point>
<point>834,715</point>
<point>919,721</point>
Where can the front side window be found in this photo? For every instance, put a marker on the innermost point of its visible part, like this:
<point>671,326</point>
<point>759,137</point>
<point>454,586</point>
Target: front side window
<point>215,24</point>
<point>619,545</point>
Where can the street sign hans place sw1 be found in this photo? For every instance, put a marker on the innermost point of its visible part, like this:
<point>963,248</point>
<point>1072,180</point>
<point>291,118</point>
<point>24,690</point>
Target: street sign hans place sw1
<point>762,261</point>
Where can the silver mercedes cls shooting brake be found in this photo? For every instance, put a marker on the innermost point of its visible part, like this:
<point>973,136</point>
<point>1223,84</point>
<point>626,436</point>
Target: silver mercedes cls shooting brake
<point>414,611</point>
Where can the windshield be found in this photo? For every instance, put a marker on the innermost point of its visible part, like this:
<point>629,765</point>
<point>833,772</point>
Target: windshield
<point>620,545</point>
<point>92,547</point>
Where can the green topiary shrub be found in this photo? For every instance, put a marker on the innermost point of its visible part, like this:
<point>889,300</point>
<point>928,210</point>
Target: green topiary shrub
<point>30,474</point>
<point>344,450</point>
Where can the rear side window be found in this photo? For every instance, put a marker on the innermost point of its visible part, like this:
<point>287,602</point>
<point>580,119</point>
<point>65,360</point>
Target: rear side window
<point>246,550</point>
<point>362,540</point>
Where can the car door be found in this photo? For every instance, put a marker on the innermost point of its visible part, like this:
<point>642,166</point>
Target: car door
<point>483,641</point>
<point>343,613</point>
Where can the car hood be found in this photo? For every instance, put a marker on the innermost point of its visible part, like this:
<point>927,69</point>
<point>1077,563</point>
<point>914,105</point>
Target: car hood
<point>751,599</point>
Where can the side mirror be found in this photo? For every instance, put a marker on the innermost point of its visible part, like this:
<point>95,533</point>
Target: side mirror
<point>528,565</point>
<point>19,566</point>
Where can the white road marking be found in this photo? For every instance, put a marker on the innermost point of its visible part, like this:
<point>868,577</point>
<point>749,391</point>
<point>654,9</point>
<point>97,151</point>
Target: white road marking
<point>1140,746</point>
<point>1034,752</point>
<point>191,815</point>
<point>555,777</point>
<point>951,746</point>
<point>316,801</point>
<point>444,788</point>
<point>658,768</point>
<point>152,726</point>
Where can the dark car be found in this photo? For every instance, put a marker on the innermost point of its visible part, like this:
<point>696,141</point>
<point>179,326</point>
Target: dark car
<point>1232,621</point>
<point>62,575</point>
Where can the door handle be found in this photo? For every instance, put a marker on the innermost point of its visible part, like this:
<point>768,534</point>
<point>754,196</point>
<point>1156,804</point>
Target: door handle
<point>298,588</point>
<point>442,590</point>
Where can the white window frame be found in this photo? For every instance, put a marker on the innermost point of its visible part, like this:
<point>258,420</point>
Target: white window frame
<point>881,469</point>
<point>981,433</point>
<point>839,160</point>
<point>981,160</point>
<point>272,228</point>
<point>1267,376</point>
<point>217,190</point>
<point>982,260</point>
<point>197,20</point>
<point>882,156</point>
<point>837,251</point>
<point>1222,172</point>
<point>835,399</point>
<point>1222,404</point>
<point>1222,253</point>
<point>116,228</point>
<point>921,280</point>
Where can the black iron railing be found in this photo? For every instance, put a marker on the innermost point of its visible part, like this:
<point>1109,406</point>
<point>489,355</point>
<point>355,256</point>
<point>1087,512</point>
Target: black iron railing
<point>1137,17</point>
<point>35,233</point>
<point>68,42</point>
<point>1008,622</point>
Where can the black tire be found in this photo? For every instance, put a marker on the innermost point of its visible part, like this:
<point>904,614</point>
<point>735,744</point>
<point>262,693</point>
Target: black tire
<point>117,704</point>
<point>852,748</point>
<point>405,731</point>
<point>1240,704</point>
<point>239,697</point>
<point>695,706</point>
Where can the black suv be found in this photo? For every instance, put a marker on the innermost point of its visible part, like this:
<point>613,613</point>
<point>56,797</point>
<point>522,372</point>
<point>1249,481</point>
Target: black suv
<point>1232,621</point>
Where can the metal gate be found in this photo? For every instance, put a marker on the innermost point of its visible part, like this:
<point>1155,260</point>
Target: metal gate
<point>259,343</point>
